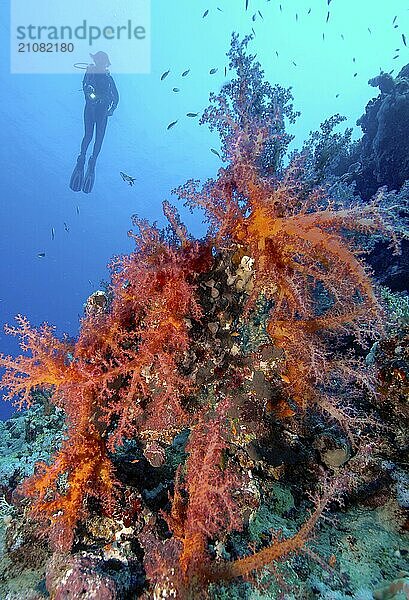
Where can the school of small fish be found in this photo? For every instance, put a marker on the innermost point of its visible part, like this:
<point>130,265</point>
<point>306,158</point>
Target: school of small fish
<point>254,17</point>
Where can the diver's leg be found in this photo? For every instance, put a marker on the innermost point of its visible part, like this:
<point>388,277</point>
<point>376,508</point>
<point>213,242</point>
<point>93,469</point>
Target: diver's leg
<point>89,123</point>
<point>101,125</point>
<point>77,177</point>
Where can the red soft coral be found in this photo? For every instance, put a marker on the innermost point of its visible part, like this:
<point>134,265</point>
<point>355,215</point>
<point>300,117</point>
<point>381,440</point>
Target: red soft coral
<point>133,371</point>
<point>46,367</point>
<point>120,378</point>
<point>305,260</point>
<point>211,507</point>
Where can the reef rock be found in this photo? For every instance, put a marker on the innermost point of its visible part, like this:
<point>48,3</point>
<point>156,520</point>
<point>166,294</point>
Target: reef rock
<point>385,144</point>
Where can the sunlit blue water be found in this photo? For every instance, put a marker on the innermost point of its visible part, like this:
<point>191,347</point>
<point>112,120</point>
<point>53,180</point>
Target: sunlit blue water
<point>42,128</point>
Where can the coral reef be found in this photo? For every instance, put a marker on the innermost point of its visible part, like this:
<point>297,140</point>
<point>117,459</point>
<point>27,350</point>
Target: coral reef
<point>378,159</point>
<point>210,370</point>
<point>384,146</point>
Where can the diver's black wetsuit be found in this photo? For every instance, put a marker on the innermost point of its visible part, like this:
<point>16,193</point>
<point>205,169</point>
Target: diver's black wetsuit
<point>101,99</point>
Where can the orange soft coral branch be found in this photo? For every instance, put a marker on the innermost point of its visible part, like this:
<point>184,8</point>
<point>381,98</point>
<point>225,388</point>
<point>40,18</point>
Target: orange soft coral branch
<point>294,245</point>
<point>88,472</point>
<point>211,507</point>
<point>279,550</point>
<point>46,367</point>
<point>83,465</point>
<point>153,296</point>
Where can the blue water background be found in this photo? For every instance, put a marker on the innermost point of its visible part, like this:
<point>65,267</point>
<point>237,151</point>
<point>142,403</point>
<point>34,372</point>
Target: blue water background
<point>42,129</point>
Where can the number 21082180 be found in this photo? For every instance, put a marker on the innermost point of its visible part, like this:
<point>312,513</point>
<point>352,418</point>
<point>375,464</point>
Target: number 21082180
<point>45,47</point>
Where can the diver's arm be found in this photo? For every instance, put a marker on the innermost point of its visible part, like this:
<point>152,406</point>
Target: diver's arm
<point>86,85</point>
<point>114,96</point>
<point>85,80</point>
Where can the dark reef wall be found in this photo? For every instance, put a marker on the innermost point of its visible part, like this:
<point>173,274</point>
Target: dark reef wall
<point>384,147</point>
<point>391,270</point>
<point>383,153</point>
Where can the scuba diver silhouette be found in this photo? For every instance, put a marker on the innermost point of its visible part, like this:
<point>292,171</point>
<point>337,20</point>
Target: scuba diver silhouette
<point>101,99</point>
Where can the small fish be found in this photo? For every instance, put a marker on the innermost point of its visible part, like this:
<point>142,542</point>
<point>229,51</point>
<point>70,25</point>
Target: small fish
<point>395,26</point>
<point>78,210</point>
<point>404,38</point>
<point>369,29</point>
<point>206,12</point>
<point>164,75</point>
<point>247,4</point>
<point>309,11</point>
<point>253,18</point>
<point>52,233</point>
<point>215,152</point>
<point>294,63</point>
<point>281,8</point>
<point>329,2</point>
<point>355,74</point>
<point>213,71</point>
<point>66,227</point>
<point>259,12</point>
<point>296,16</point>
<point>218,8</point>
<point>396,56</point>
<point>342,36</point>
<point>353,59</point>
<point>185,73</point>
<point>192,114</point>
<point>225,71</point>
<point>176,89</point>
<point>127,178</point>
<point>394,19</point>
<point>277,52</point>
<point>254,33</point>
<point>336,95</point>
<point>323,36</point>
<point>41,254</point>
<point>391,71</point>
<point>327,19</point>
<point>90,282</point>
<point>171,125</point>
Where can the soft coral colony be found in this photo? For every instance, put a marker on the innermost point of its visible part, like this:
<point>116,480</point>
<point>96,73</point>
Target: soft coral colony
<point>167,353</point>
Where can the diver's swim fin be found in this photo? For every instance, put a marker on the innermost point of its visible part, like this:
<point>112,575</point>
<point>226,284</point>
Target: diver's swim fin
<point>77,177</point>
<point>89,176</point>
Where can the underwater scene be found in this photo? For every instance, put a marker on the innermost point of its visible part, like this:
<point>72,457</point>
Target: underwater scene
<point>204,309</point>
